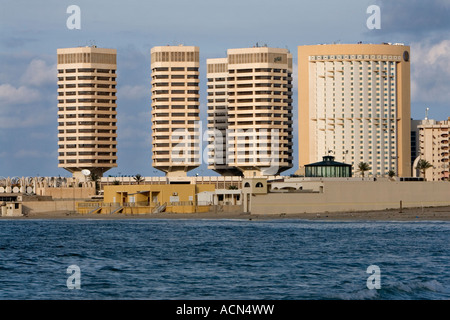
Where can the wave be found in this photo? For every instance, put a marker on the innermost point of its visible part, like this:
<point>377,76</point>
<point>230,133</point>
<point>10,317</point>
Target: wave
<point>417,286</point>
<point>412,290</point>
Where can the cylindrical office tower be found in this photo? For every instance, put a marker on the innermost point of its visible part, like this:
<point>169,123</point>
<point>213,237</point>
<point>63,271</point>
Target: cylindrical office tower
<point>175,109</point>
<point>87,110</point>
<point>250,98</point>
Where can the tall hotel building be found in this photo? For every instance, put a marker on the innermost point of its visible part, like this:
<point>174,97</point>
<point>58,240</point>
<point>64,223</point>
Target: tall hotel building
<point>354,103</point>
<point>434,147</point>
<point>175,109</point>
<point>250,112</point>
<point>87,109</point>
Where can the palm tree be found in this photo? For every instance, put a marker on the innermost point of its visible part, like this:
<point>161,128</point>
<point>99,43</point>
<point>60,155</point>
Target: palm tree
<point>138,178</point>
<point>363,167</point>
<point>423,165</point>
<point>94,178</point>
<point>391,173</point>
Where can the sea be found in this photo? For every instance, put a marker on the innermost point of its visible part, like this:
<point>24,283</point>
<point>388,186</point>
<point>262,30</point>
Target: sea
<point>177,259</point>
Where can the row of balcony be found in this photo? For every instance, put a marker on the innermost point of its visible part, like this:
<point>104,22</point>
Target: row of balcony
<point>252,100</point>
<point>94,131</point>
<point>83,162</point>
<point>87,155</point>
<point>87,70</point>
<point>267,93</point>
<point>175,99</point>
<point>111,93</point>
<point>90,102</point>
<point>89,124</point>
<point>88,78</point>
<point>85,85</point>
<point>216,87</point>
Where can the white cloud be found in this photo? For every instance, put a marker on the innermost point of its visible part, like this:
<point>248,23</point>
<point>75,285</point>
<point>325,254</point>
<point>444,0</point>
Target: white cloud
<point>24,120</point>
<point>430,72</point>
<point>39,73</point>
<point>10,95</point>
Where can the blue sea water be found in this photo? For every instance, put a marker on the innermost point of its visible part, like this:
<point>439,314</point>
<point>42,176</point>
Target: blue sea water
<point>223,259</point>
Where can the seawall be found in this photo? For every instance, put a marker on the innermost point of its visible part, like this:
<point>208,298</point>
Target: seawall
<point>350,196</point>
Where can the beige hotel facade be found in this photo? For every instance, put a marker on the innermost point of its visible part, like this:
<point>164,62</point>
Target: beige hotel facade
<point>354,103</point>
<point>87,129</point>
<point>250,112</point>
<point>175,109</point>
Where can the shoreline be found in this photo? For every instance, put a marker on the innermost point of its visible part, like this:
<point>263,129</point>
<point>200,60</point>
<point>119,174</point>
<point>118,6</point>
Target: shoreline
<point>407,214</point>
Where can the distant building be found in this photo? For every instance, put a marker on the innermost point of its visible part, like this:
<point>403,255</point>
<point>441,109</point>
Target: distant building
<point>415,151</point>
<point>250,112</point>
<point>354,101</point>
<point>175,109</point>
<point>434,148</point>
<point>87,137</point>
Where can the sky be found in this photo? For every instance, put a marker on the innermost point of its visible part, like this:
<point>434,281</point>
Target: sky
<point>31,32</point>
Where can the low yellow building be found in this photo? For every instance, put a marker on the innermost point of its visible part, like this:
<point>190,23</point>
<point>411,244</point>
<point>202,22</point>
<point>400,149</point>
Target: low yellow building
<point>141,199</point>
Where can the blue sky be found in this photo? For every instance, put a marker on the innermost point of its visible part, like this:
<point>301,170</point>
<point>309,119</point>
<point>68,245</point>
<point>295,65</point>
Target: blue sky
<point>31,31</point>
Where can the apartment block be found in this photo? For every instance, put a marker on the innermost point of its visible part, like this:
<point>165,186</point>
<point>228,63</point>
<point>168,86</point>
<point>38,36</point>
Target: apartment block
<point>354,103</point>
<point>434,147</point>
<point>175,109</point>
<point>87,128</point>
<point>250,112</point>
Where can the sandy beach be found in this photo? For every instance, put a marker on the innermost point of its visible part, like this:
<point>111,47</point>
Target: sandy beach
<point>407,214</point>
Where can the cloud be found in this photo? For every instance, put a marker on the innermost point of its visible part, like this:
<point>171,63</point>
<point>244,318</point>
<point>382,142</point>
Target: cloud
<point>430,71</point>
<point>134,92</point>
<point>10,95</point>
<point>413,19</point>
<point>39,73</point>
<point>25,119</point>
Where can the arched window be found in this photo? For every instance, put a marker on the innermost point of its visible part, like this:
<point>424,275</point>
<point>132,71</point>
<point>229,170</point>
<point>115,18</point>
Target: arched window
<point>259,185</point>
<point>247,185</point>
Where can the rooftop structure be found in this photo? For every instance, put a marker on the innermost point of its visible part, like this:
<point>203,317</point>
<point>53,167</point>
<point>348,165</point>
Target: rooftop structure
<point>328,168</point>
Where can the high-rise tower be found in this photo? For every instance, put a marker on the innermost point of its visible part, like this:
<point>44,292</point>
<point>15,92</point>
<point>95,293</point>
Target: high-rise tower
<point>175,109</point>
<point>250,111</point>
<point>87,109</point>
<point>354,102</point>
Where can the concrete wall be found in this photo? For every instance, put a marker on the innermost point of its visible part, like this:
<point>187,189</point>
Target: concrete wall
<point>34,207</point>
<point>67,193</point>
<point>354,196</point>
